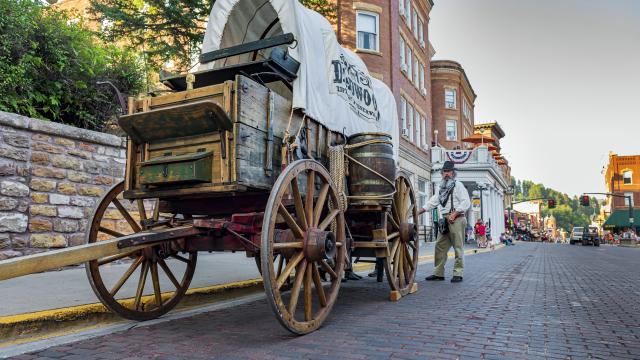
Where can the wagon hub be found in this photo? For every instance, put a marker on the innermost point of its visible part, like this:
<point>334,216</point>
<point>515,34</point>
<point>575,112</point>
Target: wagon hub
<point>319,245</point>
<point>408,232</point>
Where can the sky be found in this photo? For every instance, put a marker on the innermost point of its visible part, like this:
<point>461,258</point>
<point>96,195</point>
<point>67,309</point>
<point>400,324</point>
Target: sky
<point>561,77</point>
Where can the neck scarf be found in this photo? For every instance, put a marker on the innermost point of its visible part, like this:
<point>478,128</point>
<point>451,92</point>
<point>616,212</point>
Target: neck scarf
<point>446,187</point>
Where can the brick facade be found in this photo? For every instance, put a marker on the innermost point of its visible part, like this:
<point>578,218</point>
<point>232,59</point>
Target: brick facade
<point>447,74</point>
<point>51,176</point>
<point>615,179</point>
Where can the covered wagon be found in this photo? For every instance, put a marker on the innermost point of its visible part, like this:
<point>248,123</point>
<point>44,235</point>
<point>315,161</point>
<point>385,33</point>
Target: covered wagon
<point>281,146</point>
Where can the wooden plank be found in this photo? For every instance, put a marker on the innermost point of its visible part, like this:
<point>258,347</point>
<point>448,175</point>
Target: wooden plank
<point>54,259</point>
<point>369,244</point>
<point>251,156</point>
<point>183,191</point>
<point>213,91</point>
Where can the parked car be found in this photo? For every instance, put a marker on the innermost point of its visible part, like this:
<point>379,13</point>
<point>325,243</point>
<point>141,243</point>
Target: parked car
<point>576,235</point>
<point>590,236</point>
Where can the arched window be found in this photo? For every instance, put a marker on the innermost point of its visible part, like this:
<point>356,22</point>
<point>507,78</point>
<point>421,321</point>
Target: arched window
<point>627,177</point>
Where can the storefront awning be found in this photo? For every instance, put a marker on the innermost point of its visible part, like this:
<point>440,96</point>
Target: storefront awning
<point>620,219</point>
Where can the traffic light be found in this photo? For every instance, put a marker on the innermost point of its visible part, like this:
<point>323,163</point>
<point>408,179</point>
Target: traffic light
<point>584,200</point>
<point>551,203</point>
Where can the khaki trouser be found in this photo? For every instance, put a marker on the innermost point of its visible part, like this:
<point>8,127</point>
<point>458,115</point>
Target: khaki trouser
<point>454,238</point>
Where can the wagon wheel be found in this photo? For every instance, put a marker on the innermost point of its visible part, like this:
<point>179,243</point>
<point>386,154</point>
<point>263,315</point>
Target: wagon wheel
<point>298,226</point>
<point>162,263</point>
<point>402,263</point>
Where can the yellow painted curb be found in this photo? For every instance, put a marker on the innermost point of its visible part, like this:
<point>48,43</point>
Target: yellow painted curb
<point>77,312</point>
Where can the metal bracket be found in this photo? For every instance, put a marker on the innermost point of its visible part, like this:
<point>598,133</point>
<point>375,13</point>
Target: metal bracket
<point>268,165</point>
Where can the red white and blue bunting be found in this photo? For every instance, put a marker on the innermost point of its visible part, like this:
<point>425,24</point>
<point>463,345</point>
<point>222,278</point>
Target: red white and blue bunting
<point>459,156</point>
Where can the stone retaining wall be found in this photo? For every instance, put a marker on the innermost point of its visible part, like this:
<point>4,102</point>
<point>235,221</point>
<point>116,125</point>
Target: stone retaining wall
<point>51,176</point>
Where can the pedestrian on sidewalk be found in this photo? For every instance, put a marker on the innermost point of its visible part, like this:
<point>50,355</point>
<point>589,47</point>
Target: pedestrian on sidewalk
<point>481,234</point>
<point>452,201</point>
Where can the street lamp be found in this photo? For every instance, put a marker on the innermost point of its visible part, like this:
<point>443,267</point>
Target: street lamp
<point>435,136</point>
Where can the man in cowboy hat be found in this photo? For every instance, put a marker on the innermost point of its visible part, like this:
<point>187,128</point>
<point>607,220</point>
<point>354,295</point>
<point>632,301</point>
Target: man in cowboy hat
<point>452,200</point>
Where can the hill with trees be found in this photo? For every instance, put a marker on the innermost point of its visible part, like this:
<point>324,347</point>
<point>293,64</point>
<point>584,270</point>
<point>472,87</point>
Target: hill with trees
<point>568,211</point>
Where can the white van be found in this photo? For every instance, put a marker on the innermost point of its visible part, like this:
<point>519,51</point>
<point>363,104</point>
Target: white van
<point>576,235</point>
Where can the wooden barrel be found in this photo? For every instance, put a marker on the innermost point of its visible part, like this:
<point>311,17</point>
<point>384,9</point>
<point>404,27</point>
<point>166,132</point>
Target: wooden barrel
<point>377,156</point>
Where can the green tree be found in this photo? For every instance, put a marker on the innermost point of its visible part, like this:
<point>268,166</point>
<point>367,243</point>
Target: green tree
<point>49,67</point>
<point>166,30</point>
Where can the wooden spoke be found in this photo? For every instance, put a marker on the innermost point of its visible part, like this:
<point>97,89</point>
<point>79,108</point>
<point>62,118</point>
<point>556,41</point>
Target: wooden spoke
<point>297,200</point>
<point>308,304</point>
<point>393,236</point>
<point>295,260</point>
<point>407,259</point>
<point>110,232</point>
<point>280,263</point>
<point>409,212</point>
<point>322,298</point>
<point>125,214</point>
<point>393,222</point>
<point>156,283</point>
<point>299,234</point>
<point>328,269</point>
<point>141,282</point>
<point>297,284</point>
<point>332,215</point>
<point>113,258</point>
<point>168,272</point>
<point>396,257</point>
<point>400,266</point>
<point>178,257</point>
<point>156,210</point>
<point>394,249</point>
<point>320,204</point>
<point>126,276</point>
<point>287,245</point>
<point>311,175</point>
<point>141,210</point>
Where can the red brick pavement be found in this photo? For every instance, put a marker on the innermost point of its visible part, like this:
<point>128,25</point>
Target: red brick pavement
<point>530,301</point>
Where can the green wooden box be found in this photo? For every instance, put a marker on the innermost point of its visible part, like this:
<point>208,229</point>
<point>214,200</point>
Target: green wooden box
<point>187,168</point>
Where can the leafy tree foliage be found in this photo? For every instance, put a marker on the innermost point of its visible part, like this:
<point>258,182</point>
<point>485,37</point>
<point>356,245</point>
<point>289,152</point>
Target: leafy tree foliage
<point>167,30</point>
<point>49,67</point>
<point>568,211</point>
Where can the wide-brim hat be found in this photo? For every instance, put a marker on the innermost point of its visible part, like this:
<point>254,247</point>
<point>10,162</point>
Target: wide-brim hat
<point>448,166</point>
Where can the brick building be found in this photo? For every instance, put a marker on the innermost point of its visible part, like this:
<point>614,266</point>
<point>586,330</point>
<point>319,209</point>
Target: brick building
<point>622,177</point>
<point>453,101</point>
<point>392,38</point>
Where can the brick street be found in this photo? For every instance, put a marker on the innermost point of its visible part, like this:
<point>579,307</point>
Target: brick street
<point>530,301</point>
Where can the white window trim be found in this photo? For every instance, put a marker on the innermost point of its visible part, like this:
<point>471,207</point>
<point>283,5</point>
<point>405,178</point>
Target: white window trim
<point>630,194</point>
<point>455,99</point>
<point>377,17</point>
<point>446,129</point>
<point>624,172</point>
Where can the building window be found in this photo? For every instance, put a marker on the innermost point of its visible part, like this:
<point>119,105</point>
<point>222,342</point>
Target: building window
<point>403,60</point>
<point>425,132</point>
<point>466,109</point>
<point>423,89</point>
<point>414,23</point>
<point>367,25</point>
<point>418,129</point>
<point>401,6</point>
<point>416,72</point>
<point>422,199</point>
<point>421,33</point>
<point>410,121</point>
<point>450,98</point>
<point>627,178</point>
<point>452,130</point>
<point>407,12</point>
<point>626,199</point>
<point>409,60</point>
<point>403,114</point>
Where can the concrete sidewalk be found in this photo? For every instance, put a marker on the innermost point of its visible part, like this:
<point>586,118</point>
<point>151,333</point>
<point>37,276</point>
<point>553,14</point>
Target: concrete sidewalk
<point>70,287</point>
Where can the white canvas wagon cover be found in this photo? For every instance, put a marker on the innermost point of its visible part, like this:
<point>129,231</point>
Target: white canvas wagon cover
<point>333,85</point>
